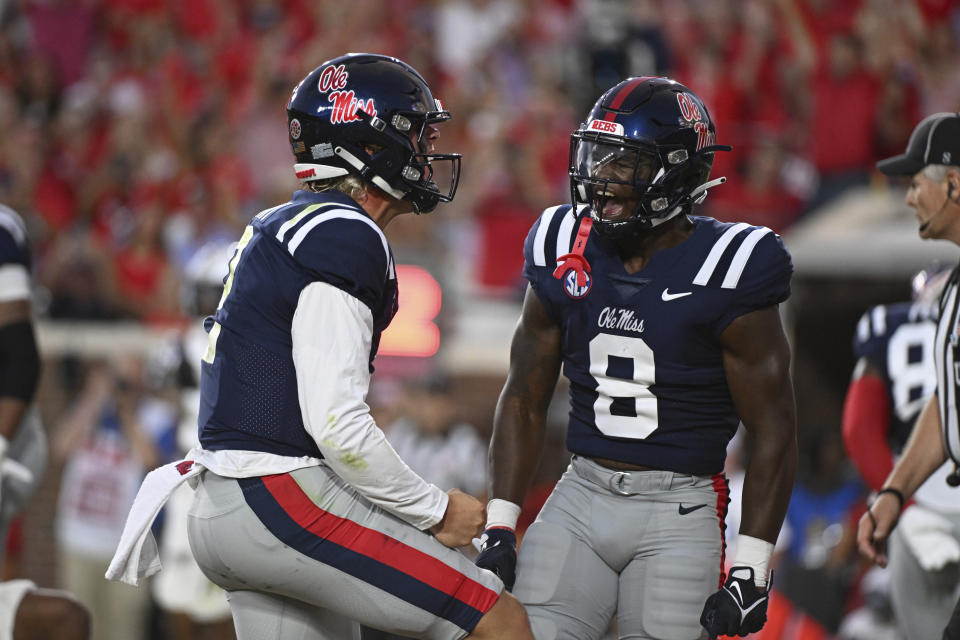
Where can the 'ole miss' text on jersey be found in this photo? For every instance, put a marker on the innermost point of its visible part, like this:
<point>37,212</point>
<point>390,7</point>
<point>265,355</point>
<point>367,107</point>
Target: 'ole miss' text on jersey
<point>248,382</point>
<point>642,351</point>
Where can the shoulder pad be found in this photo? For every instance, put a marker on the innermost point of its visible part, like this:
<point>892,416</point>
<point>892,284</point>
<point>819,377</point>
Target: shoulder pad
<point>335,243</point>
<point>741,255</point>
<point>318,230</point>
<point>878,323</point>
<point>871,330</point>
<point>13,238</point>
<point>551,236</point>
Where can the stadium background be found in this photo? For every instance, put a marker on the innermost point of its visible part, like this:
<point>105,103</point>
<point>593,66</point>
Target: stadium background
<point>135,132</point>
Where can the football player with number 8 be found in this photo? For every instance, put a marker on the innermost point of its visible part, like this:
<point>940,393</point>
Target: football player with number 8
<point>667,326</point>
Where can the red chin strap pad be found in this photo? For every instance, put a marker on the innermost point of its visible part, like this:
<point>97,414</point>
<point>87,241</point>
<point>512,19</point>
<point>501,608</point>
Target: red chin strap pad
<point>575,260</point>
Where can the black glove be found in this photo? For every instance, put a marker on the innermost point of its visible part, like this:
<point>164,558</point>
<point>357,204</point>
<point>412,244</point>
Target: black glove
<point>739,608</point>
<point>498,553</point>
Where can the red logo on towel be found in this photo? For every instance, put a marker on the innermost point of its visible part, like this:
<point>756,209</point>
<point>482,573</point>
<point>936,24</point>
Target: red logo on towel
<point>184,467</point>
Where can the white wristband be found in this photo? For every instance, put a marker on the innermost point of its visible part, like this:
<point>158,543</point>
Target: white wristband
<point>502,513</point>
<point>4,445</point>
<point>754,553</point>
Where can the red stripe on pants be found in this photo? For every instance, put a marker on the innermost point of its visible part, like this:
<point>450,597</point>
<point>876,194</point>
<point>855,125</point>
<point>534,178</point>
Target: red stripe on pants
<point>376,545</point>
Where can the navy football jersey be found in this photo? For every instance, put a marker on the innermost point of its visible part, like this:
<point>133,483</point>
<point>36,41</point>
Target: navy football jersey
<point>898,340</point>
<point>642,350</point>
<point>14,248</point>
<point>248,382</point>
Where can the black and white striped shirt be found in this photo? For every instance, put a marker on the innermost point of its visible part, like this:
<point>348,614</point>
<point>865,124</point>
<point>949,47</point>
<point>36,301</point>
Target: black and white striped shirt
<point>947,353</point>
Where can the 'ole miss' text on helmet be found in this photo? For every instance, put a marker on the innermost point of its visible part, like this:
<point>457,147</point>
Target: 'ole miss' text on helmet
<point>368,115</point>
<point>643,155</point>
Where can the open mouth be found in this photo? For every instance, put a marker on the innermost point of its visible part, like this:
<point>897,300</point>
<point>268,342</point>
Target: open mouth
<point>611,207</point>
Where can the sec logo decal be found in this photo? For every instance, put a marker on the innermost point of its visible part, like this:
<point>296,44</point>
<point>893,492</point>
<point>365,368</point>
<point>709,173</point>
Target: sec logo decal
<point>572,288</point>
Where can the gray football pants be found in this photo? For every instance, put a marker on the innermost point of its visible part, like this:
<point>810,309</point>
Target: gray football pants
<point>303,556</point>
<point>646,546</point>
<point>922,600</point>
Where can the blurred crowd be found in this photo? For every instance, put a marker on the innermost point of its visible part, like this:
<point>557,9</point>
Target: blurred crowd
<point>133,132</point>
<point>138,137</point>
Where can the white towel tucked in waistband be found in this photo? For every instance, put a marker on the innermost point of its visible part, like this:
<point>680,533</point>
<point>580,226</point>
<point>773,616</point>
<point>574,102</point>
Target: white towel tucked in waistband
<point>137,556</point>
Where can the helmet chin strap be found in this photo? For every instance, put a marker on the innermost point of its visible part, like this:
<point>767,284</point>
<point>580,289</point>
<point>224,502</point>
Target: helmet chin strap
<point>698,195</point>
<point>702,189</point>
<point>359,165</point>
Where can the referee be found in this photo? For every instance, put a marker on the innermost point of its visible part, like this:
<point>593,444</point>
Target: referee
<point>932,161</point>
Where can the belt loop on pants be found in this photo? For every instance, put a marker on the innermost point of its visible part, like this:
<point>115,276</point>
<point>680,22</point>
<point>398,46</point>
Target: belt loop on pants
<point>629,483</point>
<point>622,483</point>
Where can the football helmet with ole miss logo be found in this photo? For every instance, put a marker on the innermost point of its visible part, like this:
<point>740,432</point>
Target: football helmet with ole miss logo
<point>370,115</point>
<point>643,155</point>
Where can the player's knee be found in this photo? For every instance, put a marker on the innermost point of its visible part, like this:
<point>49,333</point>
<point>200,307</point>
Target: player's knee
<point>506,620</point>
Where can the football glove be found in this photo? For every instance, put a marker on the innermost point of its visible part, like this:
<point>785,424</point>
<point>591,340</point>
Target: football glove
<point>498,553</point>
<point>739,608</point>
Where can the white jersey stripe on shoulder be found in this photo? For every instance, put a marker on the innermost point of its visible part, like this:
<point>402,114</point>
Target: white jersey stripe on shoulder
<point>302,232</point>
<point>878,319</point>
<point>863,328</point>
<point>292,222</point>
<point>740,258</point>
<point>565,232</point>
<point>540,239</point>
<point>703,276</point>
<point>266,213</point>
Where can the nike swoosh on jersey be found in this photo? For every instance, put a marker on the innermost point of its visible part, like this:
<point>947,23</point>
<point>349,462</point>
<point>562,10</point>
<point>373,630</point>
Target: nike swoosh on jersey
<point>666,296</point>
<point>685,510</point>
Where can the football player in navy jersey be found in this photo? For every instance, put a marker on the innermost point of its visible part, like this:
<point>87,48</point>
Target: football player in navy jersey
<point>894,377</point>
<point>304,513</point>
<point>26,612</point>
<point>666,325</point>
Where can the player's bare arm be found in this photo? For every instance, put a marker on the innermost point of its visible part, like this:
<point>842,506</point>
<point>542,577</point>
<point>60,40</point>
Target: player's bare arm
<point>518,430</point>
<point>520,419</point>
<point>921,457</point>
<point>756,359</point>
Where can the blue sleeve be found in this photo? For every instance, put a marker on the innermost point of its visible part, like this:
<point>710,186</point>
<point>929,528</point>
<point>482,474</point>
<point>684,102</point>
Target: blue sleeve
<point>11,251</point>
<point>350,255</point>
<point>765,281</point>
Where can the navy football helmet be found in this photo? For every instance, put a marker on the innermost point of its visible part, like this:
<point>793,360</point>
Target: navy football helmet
<point>643,155</point>
<point>368,115</point>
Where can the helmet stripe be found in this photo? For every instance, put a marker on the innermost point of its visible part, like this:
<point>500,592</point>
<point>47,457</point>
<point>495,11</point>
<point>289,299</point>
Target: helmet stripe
<point>622,95</point>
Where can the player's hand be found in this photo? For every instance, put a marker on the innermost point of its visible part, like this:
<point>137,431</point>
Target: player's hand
<point>875,526</point>
<point>498,553</point>
<point>462,521</point>
<point>739,608</point>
